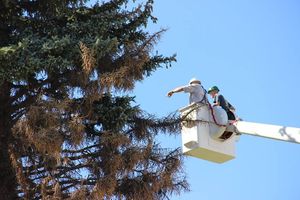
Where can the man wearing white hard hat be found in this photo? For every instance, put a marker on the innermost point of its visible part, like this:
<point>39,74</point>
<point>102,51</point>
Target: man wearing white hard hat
<point>197,92</point>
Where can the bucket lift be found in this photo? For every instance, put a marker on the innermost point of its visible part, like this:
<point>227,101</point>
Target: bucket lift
<point>203,127</point>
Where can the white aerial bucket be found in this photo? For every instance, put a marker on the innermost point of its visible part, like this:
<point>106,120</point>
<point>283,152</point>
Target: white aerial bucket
<point>201,131</point>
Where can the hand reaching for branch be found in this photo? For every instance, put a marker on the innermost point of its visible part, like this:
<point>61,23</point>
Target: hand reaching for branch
<point>170,93</point>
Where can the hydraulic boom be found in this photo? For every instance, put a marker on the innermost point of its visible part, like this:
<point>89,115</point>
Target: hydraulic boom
<point>288,134</point>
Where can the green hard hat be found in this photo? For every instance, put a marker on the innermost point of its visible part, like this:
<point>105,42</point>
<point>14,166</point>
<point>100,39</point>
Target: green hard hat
<point>213,88</point>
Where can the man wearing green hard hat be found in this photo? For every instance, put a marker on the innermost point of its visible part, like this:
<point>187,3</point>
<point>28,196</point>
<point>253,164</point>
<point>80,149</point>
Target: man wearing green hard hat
<point>219,100</point>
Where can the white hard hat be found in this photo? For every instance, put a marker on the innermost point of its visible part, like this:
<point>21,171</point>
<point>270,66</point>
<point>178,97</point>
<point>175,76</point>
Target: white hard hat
<point>195,80</point>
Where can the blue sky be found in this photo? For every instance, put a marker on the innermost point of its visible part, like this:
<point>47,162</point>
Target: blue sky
<point>251,50</point>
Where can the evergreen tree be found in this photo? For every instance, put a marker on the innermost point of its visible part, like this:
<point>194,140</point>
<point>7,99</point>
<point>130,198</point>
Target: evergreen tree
<point>64,132</point>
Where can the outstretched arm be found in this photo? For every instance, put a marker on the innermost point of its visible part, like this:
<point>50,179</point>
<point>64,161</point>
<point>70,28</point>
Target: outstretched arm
<point>179,89</point>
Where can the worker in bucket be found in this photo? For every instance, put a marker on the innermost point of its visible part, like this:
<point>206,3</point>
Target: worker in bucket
<point>219,100</point>
<point>197,92</point>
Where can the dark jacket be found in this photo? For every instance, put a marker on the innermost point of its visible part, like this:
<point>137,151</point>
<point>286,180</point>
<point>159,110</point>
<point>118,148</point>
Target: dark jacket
<point>225,105</point>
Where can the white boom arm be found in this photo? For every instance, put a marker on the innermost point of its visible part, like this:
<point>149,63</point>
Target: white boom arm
<point>288,134</point>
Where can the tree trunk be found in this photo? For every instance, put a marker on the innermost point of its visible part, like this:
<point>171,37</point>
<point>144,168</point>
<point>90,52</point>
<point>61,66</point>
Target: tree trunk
<point>8,181</point>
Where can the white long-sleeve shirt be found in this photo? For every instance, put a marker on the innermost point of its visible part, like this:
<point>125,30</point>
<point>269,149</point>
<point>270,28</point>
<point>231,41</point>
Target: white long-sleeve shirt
<point>196,92</point>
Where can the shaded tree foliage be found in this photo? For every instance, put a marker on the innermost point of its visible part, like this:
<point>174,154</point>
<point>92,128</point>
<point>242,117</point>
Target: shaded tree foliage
<point>64,132</point>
